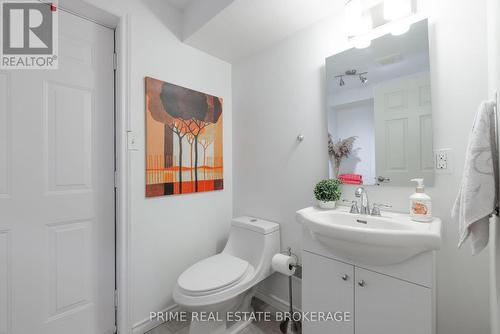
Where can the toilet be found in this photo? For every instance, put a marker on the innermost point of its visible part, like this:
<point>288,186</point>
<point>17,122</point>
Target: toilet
<point>226,282</point>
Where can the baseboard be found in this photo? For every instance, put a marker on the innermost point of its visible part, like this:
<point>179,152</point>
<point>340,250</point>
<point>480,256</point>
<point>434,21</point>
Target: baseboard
<point>146,325</point>
<point>276,302</point>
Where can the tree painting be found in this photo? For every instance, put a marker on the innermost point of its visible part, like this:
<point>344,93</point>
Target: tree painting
<point>180,123</point>
<point>190,139</point>
<point>205,141</point>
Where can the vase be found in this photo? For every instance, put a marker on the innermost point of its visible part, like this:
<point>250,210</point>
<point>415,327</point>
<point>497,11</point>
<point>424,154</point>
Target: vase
<point>329,205</point>
<point>335,168</point>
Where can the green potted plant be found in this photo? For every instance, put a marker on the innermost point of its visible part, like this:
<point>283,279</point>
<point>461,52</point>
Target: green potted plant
<point>328,192</point>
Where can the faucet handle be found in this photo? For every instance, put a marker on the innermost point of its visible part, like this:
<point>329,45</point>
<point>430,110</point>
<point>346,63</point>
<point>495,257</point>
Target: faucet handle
<point>376,208</point>
<point>354,205</point>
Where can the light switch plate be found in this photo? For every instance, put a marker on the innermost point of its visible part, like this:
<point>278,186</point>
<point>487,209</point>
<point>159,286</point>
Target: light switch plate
<point>132,143</point>
<point>443,161</point>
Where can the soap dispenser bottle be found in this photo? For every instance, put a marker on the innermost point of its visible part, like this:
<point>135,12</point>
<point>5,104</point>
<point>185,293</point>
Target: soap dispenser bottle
<point>420,203</point>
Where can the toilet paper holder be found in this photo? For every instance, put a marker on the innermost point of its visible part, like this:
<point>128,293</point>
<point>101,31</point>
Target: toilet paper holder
<point>290,325</point>
<point>296,258</point>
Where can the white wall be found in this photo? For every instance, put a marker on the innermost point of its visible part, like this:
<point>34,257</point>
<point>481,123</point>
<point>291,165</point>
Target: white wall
<point>170,233</point>
<point>279,93</point>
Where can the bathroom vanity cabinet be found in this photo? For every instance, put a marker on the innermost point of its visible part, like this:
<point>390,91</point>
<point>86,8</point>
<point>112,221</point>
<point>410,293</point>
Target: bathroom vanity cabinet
<point>392,299</point>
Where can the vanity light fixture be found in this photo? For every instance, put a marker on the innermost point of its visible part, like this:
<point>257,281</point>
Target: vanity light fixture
<point>353,13</point>
<point>359,23</point>
<point>362,42</point>
<point>364,17</point>
<point>365,23</point>
<point>400,28</point>
<point>396,9</point>
<point>363,78</point>
<point>358,19</point>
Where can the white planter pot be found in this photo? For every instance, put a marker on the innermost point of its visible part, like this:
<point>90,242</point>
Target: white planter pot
<point>327,205</point>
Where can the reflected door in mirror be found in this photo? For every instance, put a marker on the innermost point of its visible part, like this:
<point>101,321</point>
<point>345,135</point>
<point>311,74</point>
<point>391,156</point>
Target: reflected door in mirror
<point>403,129</point>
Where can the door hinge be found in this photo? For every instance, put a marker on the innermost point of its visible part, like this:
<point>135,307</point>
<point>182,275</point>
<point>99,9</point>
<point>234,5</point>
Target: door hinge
<point>116,299</point>
<point>115,61</point>
<point>116,179</point>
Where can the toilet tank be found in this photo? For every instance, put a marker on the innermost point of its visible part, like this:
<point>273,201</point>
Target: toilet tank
<point>254,240</point>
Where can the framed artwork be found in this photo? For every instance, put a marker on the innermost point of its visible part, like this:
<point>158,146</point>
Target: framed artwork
<point>184,151</point>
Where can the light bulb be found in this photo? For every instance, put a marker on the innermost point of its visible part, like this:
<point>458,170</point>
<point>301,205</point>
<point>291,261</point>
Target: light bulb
<point>400,28</point>
<point>362,42</point>
<point>365,24</point>
<point>395,9</point>
<point>353,9</point>
<point>353,13</point>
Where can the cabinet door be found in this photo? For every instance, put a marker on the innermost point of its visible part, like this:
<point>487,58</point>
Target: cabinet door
<point>386,305</point>
<point>327,286</point>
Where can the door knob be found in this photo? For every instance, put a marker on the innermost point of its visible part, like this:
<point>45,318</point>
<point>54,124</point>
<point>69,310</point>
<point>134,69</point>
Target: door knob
<point>361,283</point>
<point>345,277</point>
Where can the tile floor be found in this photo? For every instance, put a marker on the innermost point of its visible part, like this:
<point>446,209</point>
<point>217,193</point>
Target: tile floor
<point>257,327</point>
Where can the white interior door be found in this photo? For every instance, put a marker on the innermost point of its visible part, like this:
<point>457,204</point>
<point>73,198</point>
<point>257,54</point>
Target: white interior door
<point>403,129</point>
<point>57,189</point>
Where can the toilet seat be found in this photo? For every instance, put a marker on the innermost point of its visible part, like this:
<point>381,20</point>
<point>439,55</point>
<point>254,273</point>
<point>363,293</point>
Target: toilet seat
<point>213,274</point>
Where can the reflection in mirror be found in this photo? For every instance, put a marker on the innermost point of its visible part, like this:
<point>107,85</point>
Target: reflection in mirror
<point>379,111</point>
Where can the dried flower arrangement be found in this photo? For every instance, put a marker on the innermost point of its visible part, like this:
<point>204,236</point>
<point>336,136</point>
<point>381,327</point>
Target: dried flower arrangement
<point>339,151</point>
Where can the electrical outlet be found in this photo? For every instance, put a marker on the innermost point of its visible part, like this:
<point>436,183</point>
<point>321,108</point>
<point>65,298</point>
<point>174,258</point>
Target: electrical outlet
<point>443,161</point>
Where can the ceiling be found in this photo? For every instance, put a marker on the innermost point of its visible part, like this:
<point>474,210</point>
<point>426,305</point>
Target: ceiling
<point>180,4</point>
<point>233,29</point>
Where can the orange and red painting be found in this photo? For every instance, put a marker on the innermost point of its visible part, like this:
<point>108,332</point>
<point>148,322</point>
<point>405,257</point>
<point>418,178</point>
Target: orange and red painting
<point>183,140</point>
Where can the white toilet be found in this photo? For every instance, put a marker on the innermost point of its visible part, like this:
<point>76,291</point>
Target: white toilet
<point>225,282</point>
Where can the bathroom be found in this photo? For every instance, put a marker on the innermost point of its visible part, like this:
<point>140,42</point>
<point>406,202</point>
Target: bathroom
<point>266,61</point>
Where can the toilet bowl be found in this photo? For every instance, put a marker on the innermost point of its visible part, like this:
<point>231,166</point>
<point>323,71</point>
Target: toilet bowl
<point>218,288</point>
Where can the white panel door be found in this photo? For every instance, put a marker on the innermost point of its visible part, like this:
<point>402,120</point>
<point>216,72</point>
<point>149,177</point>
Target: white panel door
<point>386,305</point>
<point>403,129</point>
<point>327,286</point>
<point>57,189</point>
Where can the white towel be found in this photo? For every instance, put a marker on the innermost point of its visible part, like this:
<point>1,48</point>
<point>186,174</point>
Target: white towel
<point>477,196</point>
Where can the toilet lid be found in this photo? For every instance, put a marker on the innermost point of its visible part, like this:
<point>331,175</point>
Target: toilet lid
<point>214,273</point>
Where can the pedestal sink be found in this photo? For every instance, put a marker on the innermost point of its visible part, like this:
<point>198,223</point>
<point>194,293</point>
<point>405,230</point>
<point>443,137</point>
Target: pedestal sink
<point>388,239</point>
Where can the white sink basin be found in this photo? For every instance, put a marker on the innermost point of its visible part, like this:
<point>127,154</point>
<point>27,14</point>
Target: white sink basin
<point>385,240</point>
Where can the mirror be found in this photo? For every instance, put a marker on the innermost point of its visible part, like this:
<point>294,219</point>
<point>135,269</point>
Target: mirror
<point>380,112</point>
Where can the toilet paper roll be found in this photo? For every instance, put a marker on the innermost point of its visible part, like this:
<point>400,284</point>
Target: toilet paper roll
<point>284,264</point>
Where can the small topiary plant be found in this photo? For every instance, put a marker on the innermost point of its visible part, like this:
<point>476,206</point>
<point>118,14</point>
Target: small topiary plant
<point>328,190</point>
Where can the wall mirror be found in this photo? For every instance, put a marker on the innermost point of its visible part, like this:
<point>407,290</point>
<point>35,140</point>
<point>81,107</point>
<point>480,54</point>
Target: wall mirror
<point>379,111</point>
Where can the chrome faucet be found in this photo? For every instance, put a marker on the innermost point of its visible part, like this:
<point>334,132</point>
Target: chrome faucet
<point>364,207</point>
